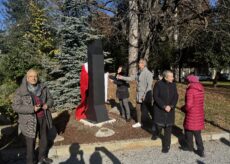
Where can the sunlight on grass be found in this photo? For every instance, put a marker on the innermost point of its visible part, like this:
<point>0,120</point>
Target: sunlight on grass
<point>217,105</point>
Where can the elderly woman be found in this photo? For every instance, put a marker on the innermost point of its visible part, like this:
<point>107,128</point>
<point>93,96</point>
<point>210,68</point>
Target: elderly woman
<point>165,100</point>
<point>194,114</point>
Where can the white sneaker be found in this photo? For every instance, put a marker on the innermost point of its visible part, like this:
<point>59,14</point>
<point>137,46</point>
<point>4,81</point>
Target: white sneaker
<point>137,125</point>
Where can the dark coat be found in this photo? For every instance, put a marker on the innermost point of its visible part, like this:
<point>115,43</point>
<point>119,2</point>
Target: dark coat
<point>122,88</point>
<point>164,94</point>
<point>194,107</point>
<point>23,105</point>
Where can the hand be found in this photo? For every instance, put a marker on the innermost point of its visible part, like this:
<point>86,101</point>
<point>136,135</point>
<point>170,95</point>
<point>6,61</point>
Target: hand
<point>118,77</point>
<point>167,108</point>
<point>142,99</point>
<point>100,148</point>
<point>44,106</point>
<point>36,108</point>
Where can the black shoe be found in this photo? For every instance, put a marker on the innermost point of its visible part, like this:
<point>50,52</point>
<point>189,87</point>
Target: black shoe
<point>154,137</point>
<point>201,153</point>
<point>165,150</point>
<point>128,120</point>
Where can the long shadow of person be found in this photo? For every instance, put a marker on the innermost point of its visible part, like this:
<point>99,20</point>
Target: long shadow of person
<point>76,155</point>
<point>59,126</point>
<point>61,121</point>
<point>178,132</point>
<point>113,103</point>
<point>97,159</point>
<point>216,125</point>
<point>225,141</point>
<point>115,106</point>
<point>199,162</point>
<point>147,114</point>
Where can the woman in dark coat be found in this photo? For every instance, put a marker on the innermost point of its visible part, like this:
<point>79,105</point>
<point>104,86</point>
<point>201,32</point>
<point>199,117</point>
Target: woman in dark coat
<point>194,114</point>
<point>165,100</point>
<point>122,93</point>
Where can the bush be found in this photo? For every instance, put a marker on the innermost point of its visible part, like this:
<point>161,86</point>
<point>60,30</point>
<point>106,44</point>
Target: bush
<point>7,89</point>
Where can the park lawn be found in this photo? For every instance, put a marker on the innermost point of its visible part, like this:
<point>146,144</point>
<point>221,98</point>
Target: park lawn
<point>217,105</point>
<point>219,83</point>
<point>217,108</point>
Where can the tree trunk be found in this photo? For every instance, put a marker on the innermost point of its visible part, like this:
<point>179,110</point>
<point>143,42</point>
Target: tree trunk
<point>133,36</point>
<point>215,80</point>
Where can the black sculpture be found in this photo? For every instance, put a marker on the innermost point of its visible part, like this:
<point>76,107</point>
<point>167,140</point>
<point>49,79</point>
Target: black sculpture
<point>96,111</point>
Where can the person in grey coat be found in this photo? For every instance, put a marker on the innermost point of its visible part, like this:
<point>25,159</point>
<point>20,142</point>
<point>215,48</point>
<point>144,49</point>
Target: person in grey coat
<point>144,81</point>
<point>32,102</point>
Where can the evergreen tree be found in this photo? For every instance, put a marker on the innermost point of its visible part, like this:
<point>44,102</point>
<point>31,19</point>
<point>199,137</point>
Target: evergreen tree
<point>28,39</point>
<point>19,54</point>
<point>75,33</point>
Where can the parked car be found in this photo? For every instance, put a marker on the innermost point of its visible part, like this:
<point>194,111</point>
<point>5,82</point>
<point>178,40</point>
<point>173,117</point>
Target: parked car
<point>203,77</point>
<point>224,77</point>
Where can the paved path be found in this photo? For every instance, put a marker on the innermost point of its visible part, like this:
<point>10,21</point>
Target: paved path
<point>217,152</point>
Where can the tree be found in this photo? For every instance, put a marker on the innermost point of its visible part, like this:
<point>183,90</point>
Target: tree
<point>19,53</point>
<point>133,36</point>
<point>75,34</point>
<point>39,34</point>
<point>28,38</point>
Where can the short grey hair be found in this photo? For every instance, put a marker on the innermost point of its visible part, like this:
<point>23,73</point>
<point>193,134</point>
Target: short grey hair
<point>31,70</point>
<point>166,72</point>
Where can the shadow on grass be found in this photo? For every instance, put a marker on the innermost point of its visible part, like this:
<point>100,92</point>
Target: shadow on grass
<point>113,104</point>
<point>216,125</point>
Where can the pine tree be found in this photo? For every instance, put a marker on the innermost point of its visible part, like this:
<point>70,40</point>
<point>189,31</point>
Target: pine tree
<point>39,34</point>
<point>75,34</point>
<point>28,38</point>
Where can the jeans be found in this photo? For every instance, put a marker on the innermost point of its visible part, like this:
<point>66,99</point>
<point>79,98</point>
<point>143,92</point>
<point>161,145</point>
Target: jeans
<point>125,110</point>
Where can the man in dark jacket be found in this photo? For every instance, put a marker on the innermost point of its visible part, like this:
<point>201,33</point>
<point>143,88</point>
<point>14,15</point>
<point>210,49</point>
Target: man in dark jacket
<point>165,100</point>
<point>32,102</point>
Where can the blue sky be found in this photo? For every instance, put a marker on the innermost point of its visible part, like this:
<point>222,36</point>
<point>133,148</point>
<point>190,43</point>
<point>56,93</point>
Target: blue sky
<point>2,14</point>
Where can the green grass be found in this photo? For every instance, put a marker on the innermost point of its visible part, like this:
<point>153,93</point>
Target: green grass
<point>219,83</point>
<point>217,108</point>
<point>217,105</point>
